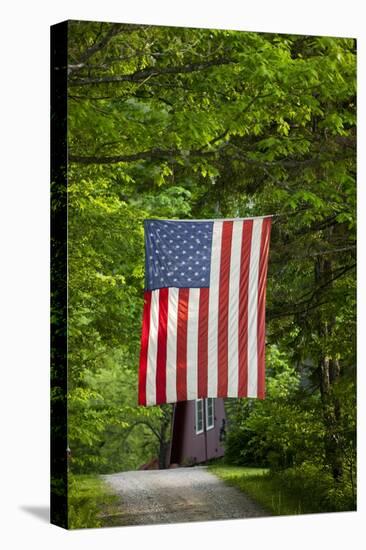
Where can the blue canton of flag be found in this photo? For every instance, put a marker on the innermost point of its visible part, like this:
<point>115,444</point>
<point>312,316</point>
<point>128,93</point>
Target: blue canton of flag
<point>177,254</point>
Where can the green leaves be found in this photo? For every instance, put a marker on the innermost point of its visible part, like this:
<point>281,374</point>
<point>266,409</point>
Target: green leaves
<point>189,123</point>
<point>281,430</point>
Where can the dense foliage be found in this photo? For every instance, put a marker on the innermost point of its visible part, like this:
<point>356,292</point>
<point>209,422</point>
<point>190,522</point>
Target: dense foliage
<point>90,501</point>
<point>304,489</point>
<point>195,123</point>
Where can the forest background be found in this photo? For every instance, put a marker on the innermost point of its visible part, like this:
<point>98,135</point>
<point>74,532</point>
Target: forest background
<point>198,123</point>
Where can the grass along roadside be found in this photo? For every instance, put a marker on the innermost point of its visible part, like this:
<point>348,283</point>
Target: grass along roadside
<point>258,484</point>
<point>302,490</point>
<point>255,482</point>
<point>262,487</point>
<point>89,499</point>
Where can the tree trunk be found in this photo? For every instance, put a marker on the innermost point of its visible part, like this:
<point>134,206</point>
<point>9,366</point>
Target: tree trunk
<point>329,372</point>
<point>164,439</point>
<point>162,455</point>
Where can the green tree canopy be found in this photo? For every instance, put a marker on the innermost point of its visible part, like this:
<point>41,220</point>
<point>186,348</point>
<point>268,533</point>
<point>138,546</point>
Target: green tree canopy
<point>194,123</point>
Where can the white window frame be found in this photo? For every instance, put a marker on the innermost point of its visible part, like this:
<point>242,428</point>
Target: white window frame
<point>203,419</point>
<point>212,425</point>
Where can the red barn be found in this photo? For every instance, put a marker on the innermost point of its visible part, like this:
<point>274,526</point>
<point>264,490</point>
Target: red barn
<point>198,431</point>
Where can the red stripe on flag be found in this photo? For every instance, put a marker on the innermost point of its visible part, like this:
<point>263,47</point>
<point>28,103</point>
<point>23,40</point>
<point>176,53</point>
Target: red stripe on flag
<point>243,308</point>
<point>182,344</point>
<point>161,353</point>
<point>222,352</point>
<point>262,277</point>
<point>203,342</point>
<point>144,347</point>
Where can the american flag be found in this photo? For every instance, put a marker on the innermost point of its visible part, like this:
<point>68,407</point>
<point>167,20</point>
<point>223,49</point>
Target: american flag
<point>203,329</point>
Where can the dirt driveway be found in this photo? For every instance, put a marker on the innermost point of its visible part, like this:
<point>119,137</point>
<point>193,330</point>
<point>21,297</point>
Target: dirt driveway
<point>174,496</point>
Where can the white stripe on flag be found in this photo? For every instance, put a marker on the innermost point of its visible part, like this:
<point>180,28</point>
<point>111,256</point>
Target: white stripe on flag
<point>171,347</point>
<point>192,343</point>
<point>213,315</point>
<point>253,308</point>
<point>233,316</point>
<point>152,349</point>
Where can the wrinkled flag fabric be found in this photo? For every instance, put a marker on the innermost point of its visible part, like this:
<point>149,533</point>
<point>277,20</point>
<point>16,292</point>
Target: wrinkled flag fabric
<point>203,328</point>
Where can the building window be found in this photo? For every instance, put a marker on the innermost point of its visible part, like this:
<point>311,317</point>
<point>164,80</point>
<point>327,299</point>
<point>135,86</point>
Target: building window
<point>210,413</point>
<point>199,416</point>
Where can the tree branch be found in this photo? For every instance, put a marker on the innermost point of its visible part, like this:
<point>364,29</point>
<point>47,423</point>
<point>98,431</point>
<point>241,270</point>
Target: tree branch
<point>149,72</point>
<point>272,314</point>
<point>288,162</point>
<point>144,423</point>
<point>292,309</point>
<point>155,153</point>
<point>142,155</point>
<point>89,52</point>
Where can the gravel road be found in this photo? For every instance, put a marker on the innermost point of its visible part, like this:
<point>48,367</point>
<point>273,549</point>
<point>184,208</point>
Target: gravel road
<point>175,496</point>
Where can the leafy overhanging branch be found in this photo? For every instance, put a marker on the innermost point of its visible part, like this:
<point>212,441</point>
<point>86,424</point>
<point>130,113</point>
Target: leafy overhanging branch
<point>149,72</point>
<point>96,47</point>
<point>114,30</point>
